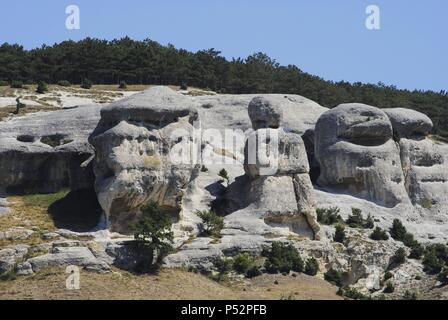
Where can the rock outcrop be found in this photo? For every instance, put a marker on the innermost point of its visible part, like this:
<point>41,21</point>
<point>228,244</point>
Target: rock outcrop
<point>355,149</point>
<point>48,151</point>
<point>424,164</point>
<point>143,150</point>
<point>277,165</point>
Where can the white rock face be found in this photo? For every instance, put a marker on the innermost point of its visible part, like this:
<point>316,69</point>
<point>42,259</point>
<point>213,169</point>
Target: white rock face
<point>138,143</point>
<point>424,164</point>
<point>47,151</point>
<point>356,153</point>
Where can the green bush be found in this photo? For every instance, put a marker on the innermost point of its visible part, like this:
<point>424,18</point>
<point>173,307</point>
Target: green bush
<point>333,276</point>
<point>86,84</point>
<point>4,83</point>
<point>408,295</point>
<point>329,216</point>
<point>353,294</point>
<point>19,105</point>
<point>355,220</point>
<point>339,235</point>
<point>311,267</point>
<point>223,266</point>
<point>282,258</point>
<point>64,83</point>
<point>389,287</point>
<point>432,263</point>
<point>224,175</point>
<point>153,230</point>
<point>243,262</point>
<point>417,251</point>
<point>42,87</point>
<point>387,275</point>
<point>379,234</point>
<point>212,224</point>
<point>122,85</point>
<point>183,86</point>
<point>398,231</point>
<point>17,84</point>
<point>253,272</point>
<point>440,250</point>
<point>399,257</point>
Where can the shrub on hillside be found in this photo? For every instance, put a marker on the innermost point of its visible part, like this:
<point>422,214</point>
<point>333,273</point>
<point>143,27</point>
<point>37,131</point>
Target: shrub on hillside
<point>356,220</point>
<point>282,258</point>
<point>86,84</point>
<point>333,276</point>
<point>398,231</point>
<point>153,231</point>
<point>122,85</point>
<point>329,216</point>
<point>42,87</point>
<point>64,83</point>
<point>339,235</point>
<point>399,257</point>
<point>311,267</point>
<point>211,224</point>
<point>379,234</point>
<point>389,287</point>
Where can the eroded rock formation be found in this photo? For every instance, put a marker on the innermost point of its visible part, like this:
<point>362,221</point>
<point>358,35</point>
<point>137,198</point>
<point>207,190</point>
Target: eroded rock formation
<point>46,152</point>
<point>277,165</point>
<point>138,142</point>
<point>355,149</point>
<point>424,165</point>
<point>381,155</point>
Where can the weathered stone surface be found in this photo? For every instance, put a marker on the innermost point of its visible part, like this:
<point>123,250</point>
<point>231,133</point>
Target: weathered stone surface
<point>409,123</point>
<point>24,269</point>
<point>275,152</point>
<point>357,154</point>
<point>265,112</point>
<point>141,144</point>
<point>225,111</point>
<point>16,233</point>
<point>9,257</point>
<point>45,152</point>
<point>66,256</point>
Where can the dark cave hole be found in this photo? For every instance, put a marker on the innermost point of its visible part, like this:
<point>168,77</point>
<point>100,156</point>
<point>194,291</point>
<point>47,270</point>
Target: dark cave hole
<point>78,211</point>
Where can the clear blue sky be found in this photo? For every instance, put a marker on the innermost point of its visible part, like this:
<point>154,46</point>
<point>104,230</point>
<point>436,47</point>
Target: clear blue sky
<point>323,37</point>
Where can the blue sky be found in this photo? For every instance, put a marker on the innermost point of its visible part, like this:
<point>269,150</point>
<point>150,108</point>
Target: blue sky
<point>327,38</point>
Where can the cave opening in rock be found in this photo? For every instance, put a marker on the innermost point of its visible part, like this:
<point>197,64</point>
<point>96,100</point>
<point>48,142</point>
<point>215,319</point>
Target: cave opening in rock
<point>78,211</point>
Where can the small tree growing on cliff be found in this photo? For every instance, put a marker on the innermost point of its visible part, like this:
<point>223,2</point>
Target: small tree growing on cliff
<point>211,223</point>
<point>153,231</point>
<point>19,105</point>
<point>224,175</point>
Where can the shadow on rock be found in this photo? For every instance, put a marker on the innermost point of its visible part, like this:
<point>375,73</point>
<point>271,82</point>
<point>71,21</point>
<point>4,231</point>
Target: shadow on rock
<point>79,211</point>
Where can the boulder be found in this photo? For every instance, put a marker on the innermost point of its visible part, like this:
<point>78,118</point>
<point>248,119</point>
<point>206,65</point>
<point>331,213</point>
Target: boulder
<point>144,147</point>
<point>424,163</point>
<point>67,256</point>
<point>409,123</point>
<point>265,112</point>
<point>275,152</point>
<point>9,257</point>
<point>356,153</point>
<point>48,151</point>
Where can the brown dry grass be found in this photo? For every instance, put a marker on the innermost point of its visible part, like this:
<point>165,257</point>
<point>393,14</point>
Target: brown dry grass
<point>8,111</point>
<point>30,211</point>
<point>168,285</point>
